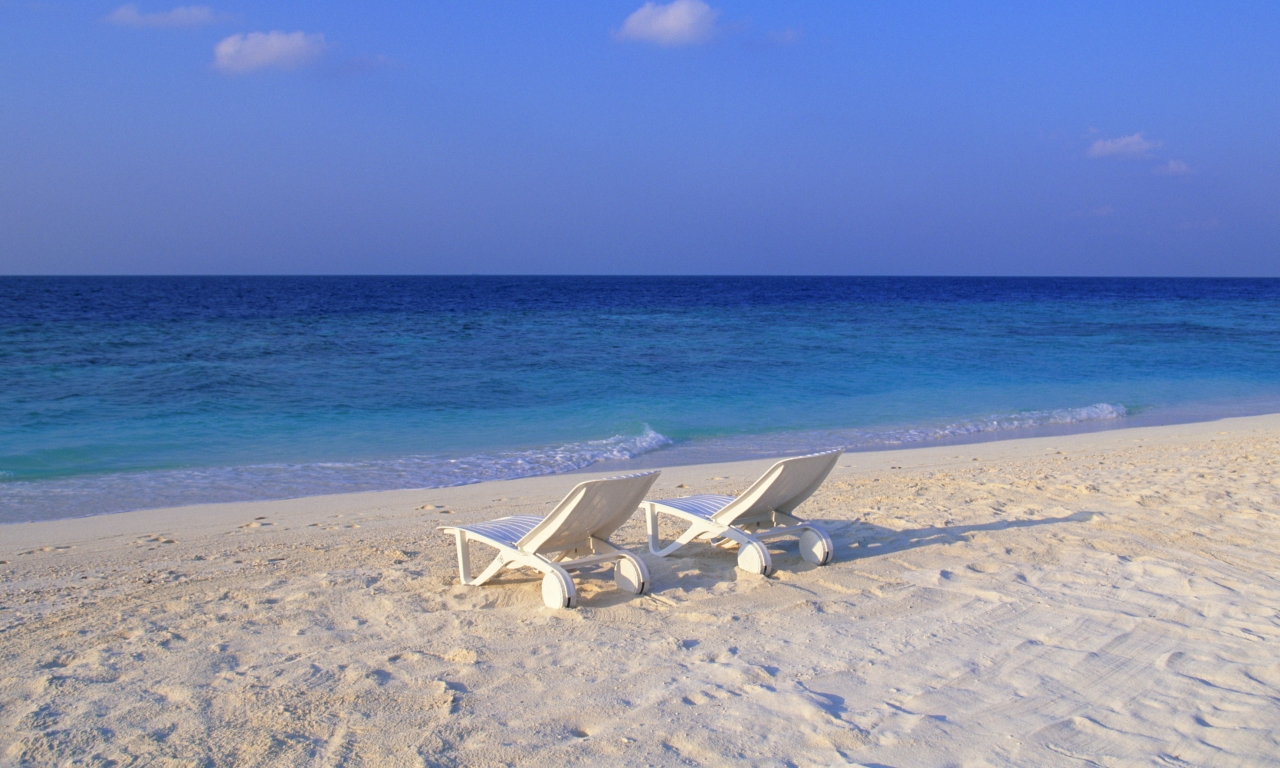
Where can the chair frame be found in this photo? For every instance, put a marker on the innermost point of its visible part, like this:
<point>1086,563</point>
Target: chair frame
<point>738,523</point>
<point>540,550</point>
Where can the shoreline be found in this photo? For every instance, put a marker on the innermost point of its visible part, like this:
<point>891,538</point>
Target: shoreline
<point>1171,417</point>
<point>216,515</point>
<point>1105,596</point>
<point>679,455</point>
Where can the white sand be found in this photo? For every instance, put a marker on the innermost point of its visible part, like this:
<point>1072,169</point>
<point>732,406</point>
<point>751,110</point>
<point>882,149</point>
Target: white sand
<point>1104,598</point>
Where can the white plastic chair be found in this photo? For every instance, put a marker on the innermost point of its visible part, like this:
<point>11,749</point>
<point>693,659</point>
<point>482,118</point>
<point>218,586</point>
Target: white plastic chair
<point>575,535</point>
<point>762,512</point>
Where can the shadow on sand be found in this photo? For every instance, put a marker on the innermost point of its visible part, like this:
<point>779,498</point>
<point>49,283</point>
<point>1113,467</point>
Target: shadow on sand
<point>703,566</point>
<point>855,541</point>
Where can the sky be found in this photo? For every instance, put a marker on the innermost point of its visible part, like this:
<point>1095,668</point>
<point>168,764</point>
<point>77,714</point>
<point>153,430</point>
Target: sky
<point>629,137</point>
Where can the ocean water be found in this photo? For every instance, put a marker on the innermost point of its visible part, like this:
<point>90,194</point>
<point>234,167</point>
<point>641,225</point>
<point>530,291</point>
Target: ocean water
<point>131,393</point>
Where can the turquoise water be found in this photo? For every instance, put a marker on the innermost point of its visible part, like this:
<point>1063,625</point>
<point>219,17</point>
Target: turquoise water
<point>129,393</point>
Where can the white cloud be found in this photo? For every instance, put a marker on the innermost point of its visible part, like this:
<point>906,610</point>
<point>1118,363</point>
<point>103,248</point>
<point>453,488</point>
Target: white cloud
<point>128,15</point>
<point>260,50</point>
<point>1172,168</point>
<point>680,22</point>
<point>1125,146</point>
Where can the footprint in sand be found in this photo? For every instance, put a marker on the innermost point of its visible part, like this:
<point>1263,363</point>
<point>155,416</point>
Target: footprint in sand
<point>444,695</point>
<point>461,656</point>
<point>46,549</point>
<point>60,661</point>
<point>255,524</point>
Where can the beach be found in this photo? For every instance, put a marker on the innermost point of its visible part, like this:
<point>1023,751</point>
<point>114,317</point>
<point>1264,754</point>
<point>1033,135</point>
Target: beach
<point>1103,598</point>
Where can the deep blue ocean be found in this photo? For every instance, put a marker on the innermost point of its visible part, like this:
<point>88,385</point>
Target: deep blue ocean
<point>131,393</point>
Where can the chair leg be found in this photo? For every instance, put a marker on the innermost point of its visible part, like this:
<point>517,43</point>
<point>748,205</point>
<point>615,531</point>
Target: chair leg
<point>499,562</point>
<point>464,557</point>
<point>464,563</point>
<point>651,525</point>
<point>655,546</point>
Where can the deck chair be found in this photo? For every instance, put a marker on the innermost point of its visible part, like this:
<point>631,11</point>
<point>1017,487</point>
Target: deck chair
<point>575,535</point>
<point>762,512</point>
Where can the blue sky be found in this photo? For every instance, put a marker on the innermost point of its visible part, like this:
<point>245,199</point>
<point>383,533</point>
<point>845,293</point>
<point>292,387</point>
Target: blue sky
<point>640,138</point>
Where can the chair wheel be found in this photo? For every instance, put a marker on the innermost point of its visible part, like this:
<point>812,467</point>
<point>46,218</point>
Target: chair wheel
<point>754,558</point>
<point>558,591</point>
<point>631,576</point>
<point>815,546</point>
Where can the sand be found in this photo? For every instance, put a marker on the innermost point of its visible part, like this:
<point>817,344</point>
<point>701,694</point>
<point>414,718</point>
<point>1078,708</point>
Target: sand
<point>1107,598</point>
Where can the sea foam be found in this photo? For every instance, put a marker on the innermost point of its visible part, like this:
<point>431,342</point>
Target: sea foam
<point>119,492</point>
<point>998,423</point>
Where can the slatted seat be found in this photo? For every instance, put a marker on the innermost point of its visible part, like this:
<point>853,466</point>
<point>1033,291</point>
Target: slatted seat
<point>507,530</point>
<point>704,505</point>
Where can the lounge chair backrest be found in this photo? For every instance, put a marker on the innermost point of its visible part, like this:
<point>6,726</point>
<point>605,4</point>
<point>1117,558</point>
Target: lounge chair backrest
<point>782,488</point>
<point>594,508</point>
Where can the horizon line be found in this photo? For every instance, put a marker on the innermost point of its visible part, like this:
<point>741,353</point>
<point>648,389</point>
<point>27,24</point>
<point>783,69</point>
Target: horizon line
<point>637,275</point>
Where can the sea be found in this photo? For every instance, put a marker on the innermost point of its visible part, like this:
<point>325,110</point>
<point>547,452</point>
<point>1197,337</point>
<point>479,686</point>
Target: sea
<point>126,393</point>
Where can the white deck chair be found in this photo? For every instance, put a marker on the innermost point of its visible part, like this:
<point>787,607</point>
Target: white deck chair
<point>573,536</point>
<point>760,513</point>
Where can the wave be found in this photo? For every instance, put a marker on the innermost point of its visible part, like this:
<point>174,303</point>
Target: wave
<point>28,500</point>
<point>434,472</point>
<point>1000,423</point>
<point>996,426</point>
<point>102,494</point>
